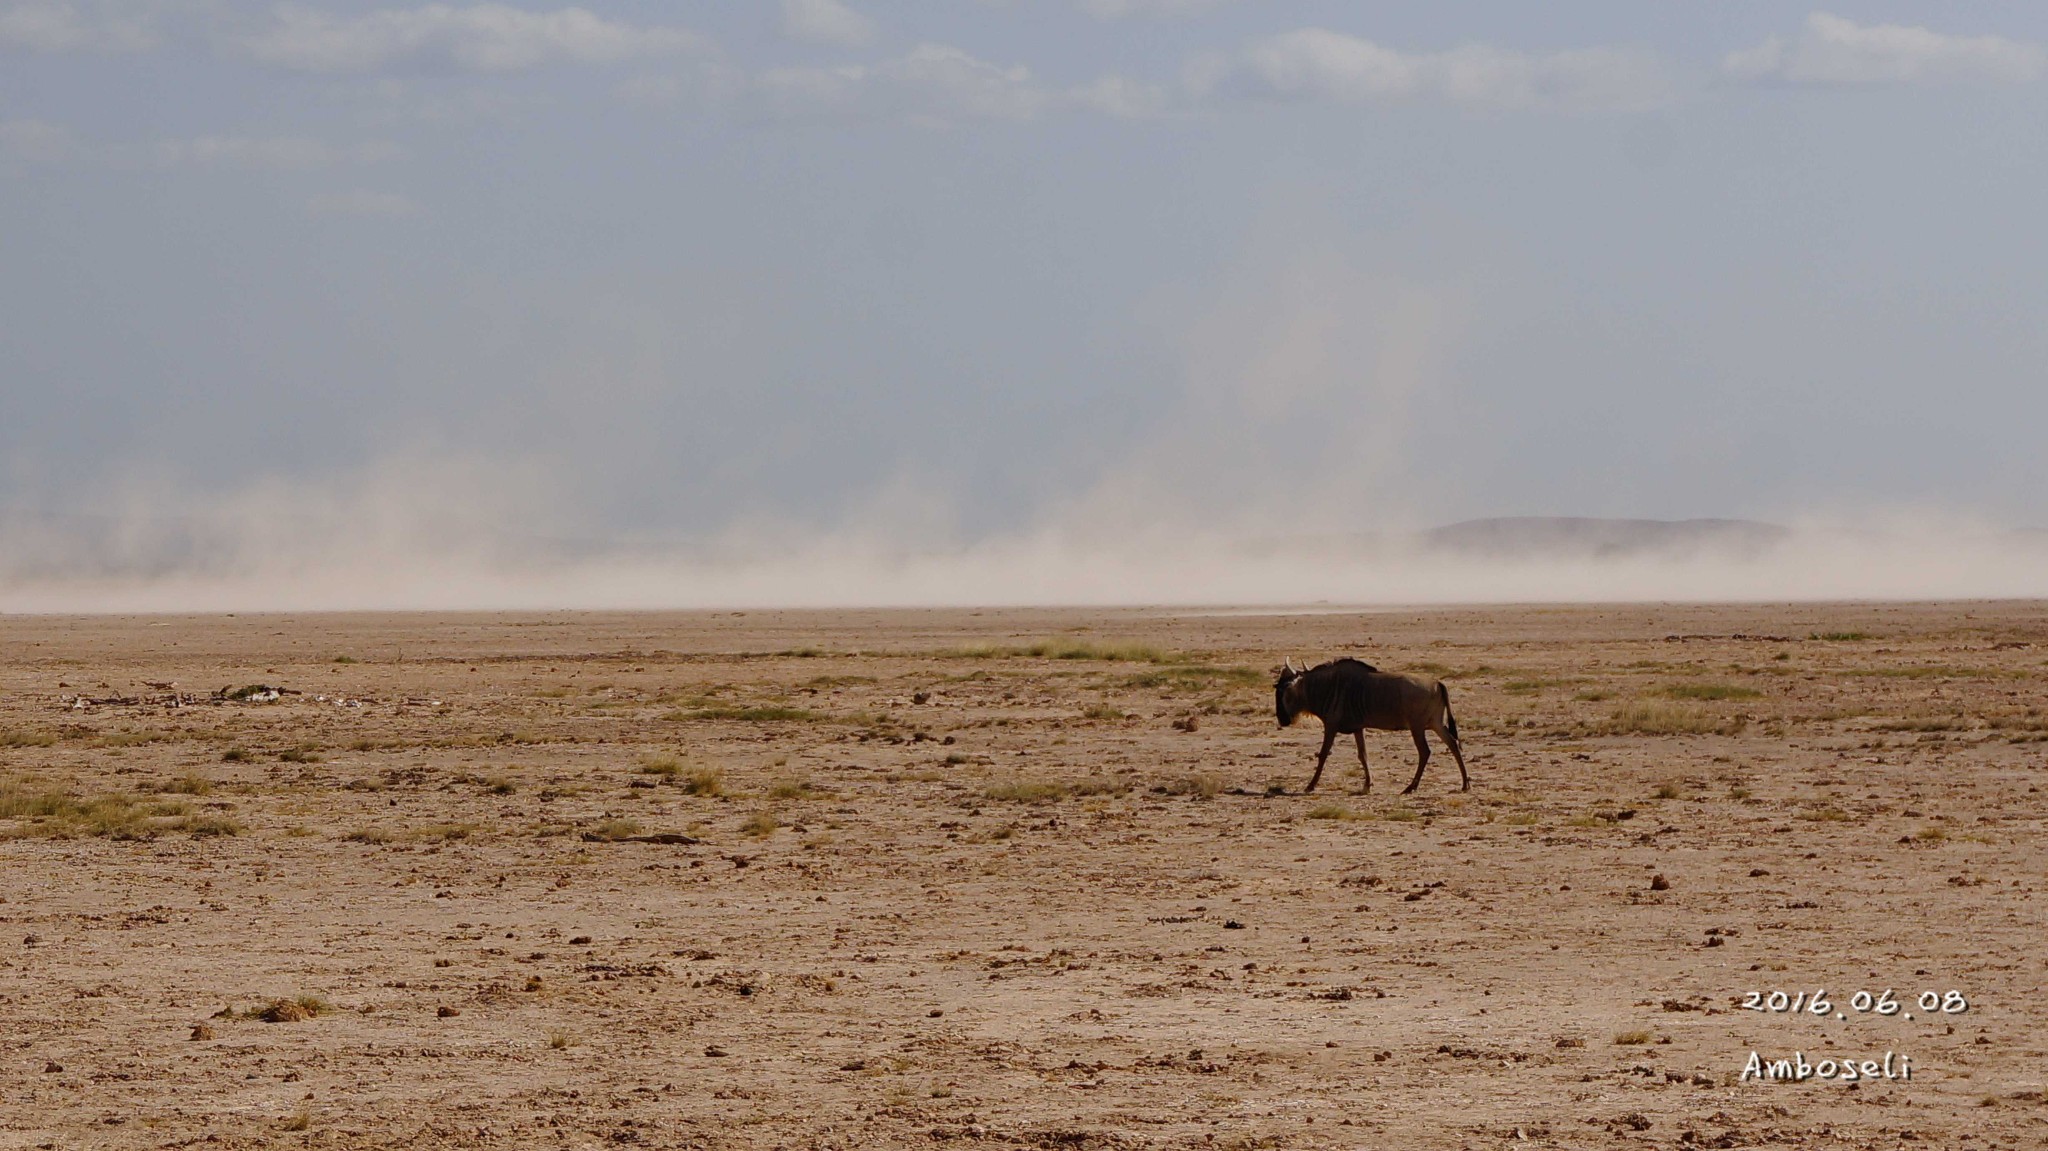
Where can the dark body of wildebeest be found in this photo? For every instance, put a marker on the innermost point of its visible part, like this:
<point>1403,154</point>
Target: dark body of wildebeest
<point>1350,696</point>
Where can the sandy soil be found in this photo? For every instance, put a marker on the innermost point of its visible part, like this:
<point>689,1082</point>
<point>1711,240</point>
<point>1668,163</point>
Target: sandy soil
<point>944,891</point>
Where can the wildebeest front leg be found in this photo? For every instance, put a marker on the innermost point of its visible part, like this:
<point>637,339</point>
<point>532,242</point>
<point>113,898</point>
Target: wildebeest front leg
<point>1322,757</point>
<point>1359,736</point>
<point>1422,760</point>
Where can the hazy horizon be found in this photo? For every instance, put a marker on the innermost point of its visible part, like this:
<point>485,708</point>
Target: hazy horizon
<point>355,303</point>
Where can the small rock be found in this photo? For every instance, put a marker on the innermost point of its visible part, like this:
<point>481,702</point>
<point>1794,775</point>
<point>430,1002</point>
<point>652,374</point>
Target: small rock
<point>201,1031</point>
<point>446,1012</point>
<point>53,1068</point>
<point>715,1052</point>
<point>1659,883</point>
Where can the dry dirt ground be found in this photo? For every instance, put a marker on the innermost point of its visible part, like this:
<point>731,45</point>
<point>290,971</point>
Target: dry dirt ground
<point>967,879</point>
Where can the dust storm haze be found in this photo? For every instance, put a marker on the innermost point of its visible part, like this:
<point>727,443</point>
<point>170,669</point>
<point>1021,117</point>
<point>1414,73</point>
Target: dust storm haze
<point>1128,304</point>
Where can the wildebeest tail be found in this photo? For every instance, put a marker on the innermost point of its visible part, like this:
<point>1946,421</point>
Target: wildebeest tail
<point>1450,721</point>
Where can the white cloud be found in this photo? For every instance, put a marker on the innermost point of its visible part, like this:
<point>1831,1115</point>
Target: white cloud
<point>933,82</point>
<point>1832,50</point>
<point>940,84</point>
<point>826,21</point>
<point>362,203</point>
<point>1122,97</point>
<point>479,37</point>
<point>67,26</point>
<point>1118,9</point>
<point>33,139</point>
<point>1318,64</point>
<point>294,153</point>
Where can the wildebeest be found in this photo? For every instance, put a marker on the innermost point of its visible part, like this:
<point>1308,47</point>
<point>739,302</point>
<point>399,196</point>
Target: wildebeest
<point>1350,696</point>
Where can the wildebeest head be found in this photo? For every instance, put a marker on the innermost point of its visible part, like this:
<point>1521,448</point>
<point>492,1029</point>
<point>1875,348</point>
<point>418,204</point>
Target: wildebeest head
<point>1285,705</point>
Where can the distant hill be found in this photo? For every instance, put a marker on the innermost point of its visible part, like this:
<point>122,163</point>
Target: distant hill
<point>1604,538</point>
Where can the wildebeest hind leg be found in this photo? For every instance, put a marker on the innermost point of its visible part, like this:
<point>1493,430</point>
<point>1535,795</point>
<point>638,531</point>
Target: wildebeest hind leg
<point>1322,757</point>
<point>1363,766</point>
<point>1457,750</point>
<point>1421,761</point>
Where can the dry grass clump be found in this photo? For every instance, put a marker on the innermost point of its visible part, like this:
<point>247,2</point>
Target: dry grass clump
<point>1651,717</point>
<point>1632,1038</point>
<point>190,785</point>
<point>1202,785</point>
<point>1336,811</point>
<point>798,789</point>
<point>1925,723</point>
<point>666,766</point>
<point>1074,649</point>
<point>1102,711</point>
<point>615,829</point>
<point>205,826</point>
<point>1196,676</point>
<point>370,835</point>
<point>61,815</point>
<point>15,737</point>
<point>1043,790</point>
<point>442,832</point>
<point>704,781</point>
<point>760,713</point>
<point>296,1010</point>
<point>1711,691</point>
<point>760,824</point>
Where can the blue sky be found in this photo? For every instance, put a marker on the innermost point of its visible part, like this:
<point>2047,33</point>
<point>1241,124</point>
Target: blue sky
<point>949,271</point>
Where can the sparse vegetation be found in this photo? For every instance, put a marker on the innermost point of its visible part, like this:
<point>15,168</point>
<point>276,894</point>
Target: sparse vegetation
<point>760,824</point>
<point>291,1010</point>
<point>1632,1038</point>
<point>767,713</point>
<point>1043,790</point>
<point>1073,649</point>
<point>1649,717</point>
<point>1336,811</point>
<point>705,781</point>
<point>1194,677</point>
<point>1840,636</point>
<point>615,829</point>
<point>1711,691</point>
<point>61,815</point>
<point>1201,785</point>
